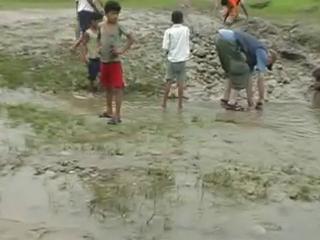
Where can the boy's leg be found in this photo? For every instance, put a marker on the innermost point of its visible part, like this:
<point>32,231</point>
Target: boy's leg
<point>117,83</point>
<point>93,71</point>
<point>166,92</point>
<point>250,94</point>
<point>233,97</point>
<point>227,90</point>
<point>169,79</point>
<point>118,95</point>
<point>180,93</point>
<point>105,82</point>
<point>261,90</point>
<point>181,78</point>
<point>232,103</point>
<point>109,96</point>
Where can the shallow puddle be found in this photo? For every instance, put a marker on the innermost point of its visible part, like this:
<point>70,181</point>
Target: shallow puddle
<point>201,174</point>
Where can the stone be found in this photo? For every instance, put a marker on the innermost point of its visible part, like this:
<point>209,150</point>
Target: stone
<point>292,54</point>
<point>201,69</point>
<point>258,231</point>
<point>51,174</point>
<point>200,52</point>
<point>271,84</point>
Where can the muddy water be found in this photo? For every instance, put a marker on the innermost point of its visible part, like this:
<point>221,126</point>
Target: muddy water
<point>201,174</point>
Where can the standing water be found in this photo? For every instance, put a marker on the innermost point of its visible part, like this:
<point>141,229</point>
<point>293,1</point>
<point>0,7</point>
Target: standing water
<point>201,174</point>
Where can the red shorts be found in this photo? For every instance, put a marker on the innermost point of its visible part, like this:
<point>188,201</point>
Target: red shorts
<point>111,75</point>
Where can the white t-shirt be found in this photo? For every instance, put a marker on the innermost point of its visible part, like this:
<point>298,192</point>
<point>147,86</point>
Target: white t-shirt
<point>83,5</point>
<point>176,41</point>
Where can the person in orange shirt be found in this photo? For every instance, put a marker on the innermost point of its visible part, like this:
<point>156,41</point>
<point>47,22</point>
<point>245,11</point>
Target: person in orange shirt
<point>233,9</point>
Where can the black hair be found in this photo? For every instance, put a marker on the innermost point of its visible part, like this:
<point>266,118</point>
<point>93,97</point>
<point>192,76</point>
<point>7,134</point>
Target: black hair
<point>96,16</point>
<point>112,6</point>
<point>316,74</point>
<point>177,17</point>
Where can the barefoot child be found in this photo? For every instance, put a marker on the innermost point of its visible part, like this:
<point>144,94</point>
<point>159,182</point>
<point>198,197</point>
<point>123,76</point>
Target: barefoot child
<point>176,43</point>
<point>111,76</point>
<point>90,50</point>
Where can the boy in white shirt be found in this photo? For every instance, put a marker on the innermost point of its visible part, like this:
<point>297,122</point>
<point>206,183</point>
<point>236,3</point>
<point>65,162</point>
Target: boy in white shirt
<point>176,43</point>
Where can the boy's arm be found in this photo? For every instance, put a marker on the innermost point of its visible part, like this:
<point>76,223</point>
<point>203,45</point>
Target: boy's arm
<point>130,41</point>
<point>166,42</point>
<point>84,47</point>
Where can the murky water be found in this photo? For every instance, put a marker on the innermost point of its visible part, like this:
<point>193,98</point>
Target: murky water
<point>195,175</point>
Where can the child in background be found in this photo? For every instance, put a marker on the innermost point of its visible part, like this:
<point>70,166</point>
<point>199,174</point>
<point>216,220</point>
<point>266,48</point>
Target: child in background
<point>90,50</point>
<point>176,43</point>
<point>111,76</point>
<point>233,9</point>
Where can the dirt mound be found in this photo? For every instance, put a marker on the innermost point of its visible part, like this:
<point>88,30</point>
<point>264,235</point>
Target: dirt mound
<point>45,37</point>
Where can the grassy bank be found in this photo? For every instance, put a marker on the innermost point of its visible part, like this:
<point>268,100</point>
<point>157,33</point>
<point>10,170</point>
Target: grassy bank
<point>278,8</point>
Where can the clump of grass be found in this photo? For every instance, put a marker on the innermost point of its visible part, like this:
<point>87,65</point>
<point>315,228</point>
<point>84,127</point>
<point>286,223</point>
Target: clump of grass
<point>120,190</point>
<point>50,124</point>
<point>238,182</point>
<point>19,72</point>
<point>258,183</point>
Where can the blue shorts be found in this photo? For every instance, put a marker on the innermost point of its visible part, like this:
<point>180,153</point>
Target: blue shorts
<point>84,20</point>
<point>93,69</point>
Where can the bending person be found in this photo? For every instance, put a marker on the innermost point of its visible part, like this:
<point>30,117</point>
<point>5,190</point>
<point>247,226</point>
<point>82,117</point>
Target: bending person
<point>240,54</point>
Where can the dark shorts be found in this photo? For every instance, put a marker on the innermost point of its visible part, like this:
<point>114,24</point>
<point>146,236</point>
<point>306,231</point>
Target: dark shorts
<point>93,69</point>
<point>84,20</point>
<point>233,62</point>
<point>111,75</point>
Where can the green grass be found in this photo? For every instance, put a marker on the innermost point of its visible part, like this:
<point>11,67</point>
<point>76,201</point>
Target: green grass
<point>276,8</point>
<point>287,8</point>
<point>19,72</point>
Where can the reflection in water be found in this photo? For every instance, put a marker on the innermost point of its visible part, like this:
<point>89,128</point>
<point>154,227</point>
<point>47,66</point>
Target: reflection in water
<point>194,159</point>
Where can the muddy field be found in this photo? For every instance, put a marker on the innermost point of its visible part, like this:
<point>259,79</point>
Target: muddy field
<point>201,174</point>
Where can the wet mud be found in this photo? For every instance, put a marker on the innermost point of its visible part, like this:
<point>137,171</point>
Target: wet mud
<point>203,173</point>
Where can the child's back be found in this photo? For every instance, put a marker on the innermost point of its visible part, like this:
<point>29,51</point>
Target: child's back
<point>176,43</point>
<point>176,40</point>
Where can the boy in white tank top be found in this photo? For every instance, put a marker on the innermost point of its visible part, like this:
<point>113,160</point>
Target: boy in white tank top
<point>90,51</point>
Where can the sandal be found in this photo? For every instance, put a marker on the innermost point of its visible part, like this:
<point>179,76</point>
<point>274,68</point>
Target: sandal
<point>234,107</point>
<point>114,121</point>
<point>259,106</point>
<point>105,115</point>
<point>223,102</point>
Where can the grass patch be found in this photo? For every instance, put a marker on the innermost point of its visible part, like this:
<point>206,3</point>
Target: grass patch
<point>124,191</point>
<point>16,4</point>
<point>49,124</point>
<point>52,126</point>
<point>20,72</point>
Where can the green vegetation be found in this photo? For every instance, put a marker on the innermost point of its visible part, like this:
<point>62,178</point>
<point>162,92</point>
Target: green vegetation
<point>123,191</point>
<point>20,72</point>
<point>52,126</point>
<point>285,8</point>
<point>279,8</point>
